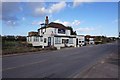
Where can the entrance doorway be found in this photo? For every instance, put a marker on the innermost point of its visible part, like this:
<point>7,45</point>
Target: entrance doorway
<point>77,42</point>
<point>65,42</point>
<point>49,41</point>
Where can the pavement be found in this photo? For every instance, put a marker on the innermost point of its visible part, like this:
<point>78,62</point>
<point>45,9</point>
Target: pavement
<point>64,63</point>
<point>106,68</point>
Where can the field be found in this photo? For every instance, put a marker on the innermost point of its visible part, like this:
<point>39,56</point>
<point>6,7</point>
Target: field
<point>12,47</point>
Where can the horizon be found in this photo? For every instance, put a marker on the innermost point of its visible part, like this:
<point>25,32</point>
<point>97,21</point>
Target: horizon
<point>89,18</point>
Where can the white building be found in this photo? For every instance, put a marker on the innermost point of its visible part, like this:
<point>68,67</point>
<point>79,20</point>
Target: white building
<point>89,40</point>
<point>80,40</point>
<point>54,34</point>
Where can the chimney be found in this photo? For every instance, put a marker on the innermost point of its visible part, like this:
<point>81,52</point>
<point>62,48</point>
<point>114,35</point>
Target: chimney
<point>46,20</point>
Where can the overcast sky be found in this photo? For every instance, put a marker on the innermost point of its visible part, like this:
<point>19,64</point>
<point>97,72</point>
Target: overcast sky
<point>87,18</point>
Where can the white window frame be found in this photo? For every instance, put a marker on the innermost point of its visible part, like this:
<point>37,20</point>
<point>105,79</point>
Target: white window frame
<point>57,40</point>
<point>70,40</point>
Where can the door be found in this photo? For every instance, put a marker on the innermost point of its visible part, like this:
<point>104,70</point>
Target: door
<point>77,42</point>
<point>49,41</point>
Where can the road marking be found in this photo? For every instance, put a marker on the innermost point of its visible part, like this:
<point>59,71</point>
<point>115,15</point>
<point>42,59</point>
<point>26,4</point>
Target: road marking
<point>23,65</point>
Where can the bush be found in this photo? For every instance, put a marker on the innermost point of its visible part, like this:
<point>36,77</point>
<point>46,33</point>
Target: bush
<point>29,45</point>
<point>53,48</point>
<point>11,47</point>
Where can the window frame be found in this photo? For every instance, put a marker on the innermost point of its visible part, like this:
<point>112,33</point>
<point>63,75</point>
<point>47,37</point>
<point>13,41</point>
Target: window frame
<point>70,41</point>
<point>59,31</point>
<point>45,40</point>
<point>57,40</point>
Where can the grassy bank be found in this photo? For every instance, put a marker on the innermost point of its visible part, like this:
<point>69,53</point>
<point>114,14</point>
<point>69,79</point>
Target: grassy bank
<point>13,47</point>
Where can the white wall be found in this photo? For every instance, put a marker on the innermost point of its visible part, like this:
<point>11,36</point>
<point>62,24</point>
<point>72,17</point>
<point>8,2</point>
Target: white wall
<point>67,32</point>
<point>74,43</point>
<point>41,43</point>
<point>91,41</point>
<point>81,40</point>
<point>47,34</point>
<point>54,31</point>
<point>68,44</point>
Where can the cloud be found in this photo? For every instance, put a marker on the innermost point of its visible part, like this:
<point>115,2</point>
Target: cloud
<point>115,21</point>
<point>86,29</point>
<point>9,11</point>
<point>76,3</point>
<point>79,2</point>
<point>37,22</point>
<point>66,23</point>
<point>76,22</point>
<point>57,7</point>
<point>12,10</point>
<point>23,18</point>
<point>36,9</point>
<point>11,23</point>
<point>40,11</point>
<point>63,22</point>
<point>51,9</point>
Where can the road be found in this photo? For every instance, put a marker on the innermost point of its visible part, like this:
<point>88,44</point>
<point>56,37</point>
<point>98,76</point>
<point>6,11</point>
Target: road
<point>64,63</point>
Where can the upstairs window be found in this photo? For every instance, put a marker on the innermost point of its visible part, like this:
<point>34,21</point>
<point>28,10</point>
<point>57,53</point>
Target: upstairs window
<point>61,31</point>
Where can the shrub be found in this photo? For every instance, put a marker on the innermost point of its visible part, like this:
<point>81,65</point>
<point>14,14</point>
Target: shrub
<point>29,45</point>
<point>53,48</point>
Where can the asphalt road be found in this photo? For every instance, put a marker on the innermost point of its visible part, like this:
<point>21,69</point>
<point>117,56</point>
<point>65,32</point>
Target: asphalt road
<point>64,63</point>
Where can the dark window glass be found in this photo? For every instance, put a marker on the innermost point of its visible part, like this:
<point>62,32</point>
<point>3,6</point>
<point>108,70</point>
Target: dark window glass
<point>57,40</point>
<point>44,40</point>
<point>65,40</point>
<point>62,31</point>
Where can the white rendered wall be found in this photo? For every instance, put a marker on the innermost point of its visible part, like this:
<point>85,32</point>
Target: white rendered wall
<point>53,31</point>
<point>80,39</point>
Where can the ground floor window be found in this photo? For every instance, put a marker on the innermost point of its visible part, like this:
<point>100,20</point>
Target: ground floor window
<point>29,39</point>
<point>45,40</point>
<point>41,39</point>
<point>36,39</point>
<point>81,41</point>
<point>57,40</point>
<point>71,41</point>
<point>65,41</point>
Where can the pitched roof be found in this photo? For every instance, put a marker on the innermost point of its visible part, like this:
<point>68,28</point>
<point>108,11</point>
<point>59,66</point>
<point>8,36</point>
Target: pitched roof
<point>73,36</point>
<point>55,25</point>
<point>88,36</point>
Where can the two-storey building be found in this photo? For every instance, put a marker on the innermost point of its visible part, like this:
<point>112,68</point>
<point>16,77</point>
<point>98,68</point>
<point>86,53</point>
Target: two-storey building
<point>52,34</point>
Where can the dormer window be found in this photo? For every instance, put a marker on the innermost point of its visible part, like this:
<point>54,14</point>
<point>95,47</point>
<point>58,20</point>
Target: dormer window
<point>61,31</point>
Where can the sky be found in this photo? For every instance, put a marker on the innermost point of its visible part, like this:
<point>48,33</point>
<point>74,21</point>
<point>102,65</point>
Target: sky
<point>86,18</point>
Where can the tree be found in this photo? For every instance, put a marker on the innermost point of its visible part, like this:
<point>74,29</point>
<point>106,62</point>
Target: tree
<point>72,32</point>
